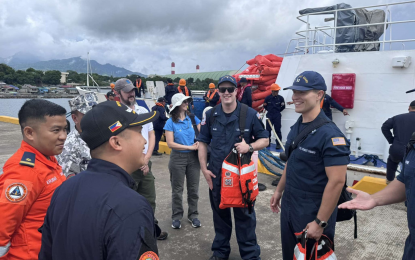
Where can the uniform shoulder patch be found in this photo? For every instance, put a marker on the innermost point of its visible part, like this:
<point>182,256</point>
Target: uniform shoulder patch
<point>15,191</point>
<point>258,115</point>
<point>149,255</point>
<point>338,141</point>
<point>28,159</point>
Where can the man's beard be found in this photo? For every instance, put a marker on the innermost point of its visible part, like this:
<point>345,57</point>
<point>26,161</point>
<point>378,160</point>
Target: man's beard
<point>127,101</point>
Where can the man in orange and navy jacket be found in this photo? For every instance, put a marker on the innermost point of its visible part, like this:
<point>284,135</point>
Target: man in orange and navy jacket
<point>212,96</point>
<point>29,179</point>
<point>158,125</point>
<point>184,90</point>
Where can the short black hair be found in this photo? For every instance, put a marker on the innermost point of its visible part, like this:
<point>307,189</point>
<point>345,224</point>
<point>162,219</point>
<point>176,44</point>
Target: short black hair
<point>412,105</point>
<point>169,81</point>
<point>37,109</point>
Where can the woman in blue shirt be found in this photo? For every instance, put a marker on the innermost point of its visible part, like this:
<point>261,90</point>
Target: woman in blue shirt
<point>184,161</point>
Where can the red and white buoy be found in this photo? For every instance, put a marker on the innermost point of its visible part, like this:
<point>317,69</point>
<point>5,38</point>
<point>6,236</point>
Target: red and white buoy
<point>197,68</point>
<point>173,68</point>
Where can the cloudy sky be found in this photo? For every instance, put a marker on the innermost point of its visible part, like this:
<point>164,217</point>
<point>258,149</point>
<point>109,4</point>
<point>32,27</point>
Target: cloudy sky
<point>146,36</point>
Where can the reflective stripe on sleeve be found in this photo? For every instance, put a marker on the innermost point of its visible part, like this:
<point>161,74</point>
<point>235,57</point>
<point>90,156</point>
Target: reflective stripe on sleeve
<point>4,249</point>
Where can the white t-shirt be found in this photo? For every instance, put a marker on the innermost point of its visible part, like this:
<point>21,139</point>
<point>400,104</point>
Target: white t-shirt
<point>147,127</point>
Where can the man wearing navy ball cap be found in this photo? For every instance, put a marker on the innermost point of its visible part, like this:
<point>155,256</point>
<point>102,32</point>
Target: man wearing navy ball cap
<point>98,214</point>
<point>315,173</point>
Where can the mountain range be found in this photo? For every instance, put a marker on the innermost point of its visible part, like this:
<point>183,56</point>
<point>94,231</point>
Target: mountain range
<point>23,61</point>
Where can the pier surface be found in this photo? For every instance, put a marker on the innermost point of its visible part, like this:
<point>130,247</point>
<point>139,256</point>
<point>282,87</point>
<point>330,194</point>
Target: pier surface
<point>381,232</point>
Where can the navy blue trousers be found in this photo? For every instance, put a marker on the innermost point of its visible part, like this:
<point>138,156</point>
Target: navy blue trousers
<point>276,122</point>
<point>158,134</point>
<point>245,225</point>
<point>409,251</point>
<point>298,208</point>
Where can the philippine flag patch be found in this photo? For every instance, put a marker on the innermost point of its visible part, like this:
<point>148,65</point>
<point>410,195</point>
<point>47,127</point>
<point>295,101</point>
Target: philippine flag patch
<point>114,127</point>
<point>338,141</point>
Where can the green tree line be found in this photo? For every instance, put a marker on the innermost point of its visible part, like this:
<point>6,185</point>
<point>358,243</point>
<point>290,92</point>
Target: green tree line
<point>52,77</point>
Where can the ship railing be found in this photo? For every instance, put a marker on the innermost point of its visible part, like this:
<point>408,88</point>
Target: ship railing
<point>323,38</point>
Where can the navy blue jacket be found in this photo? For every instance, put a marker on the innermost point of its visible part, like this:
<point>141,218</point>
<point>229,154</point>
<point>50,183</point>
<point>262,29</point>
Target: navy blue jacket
<point>403,126</point>
<point>170,91</point>
<point>224,134</point>
<point>213,101</point>
<point>329,101</point>
<point>407,177</point>
<point>98,215</point>
<point>161,121</point>
<point>247,97</point>
<point>325,147</point>
<point>275,105</point>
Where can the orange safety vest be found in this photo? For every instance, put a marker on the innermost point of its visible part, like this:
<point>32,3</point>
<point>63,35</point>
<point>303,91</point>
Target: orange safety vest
<point>239,182</point>
<point>185,88</point>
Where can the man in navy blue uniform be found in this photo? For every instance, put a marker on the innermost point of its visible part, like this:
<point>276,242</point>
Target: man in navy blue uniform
<point>330,102</point>
<point>98,214</point>
<point>399,190</point>
<point>403,126</point>
<point>315,172</point>
<point>244,94</point>
<point>223,134</point>
<point>158,125</point>
<point>274,104</point>
<point>170,90</point>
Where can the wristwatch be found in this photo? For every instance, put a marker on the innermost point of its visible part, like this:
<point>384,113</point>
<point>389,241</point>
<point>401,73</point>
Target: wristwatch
<point>251,149</point>
<point>321,223</point>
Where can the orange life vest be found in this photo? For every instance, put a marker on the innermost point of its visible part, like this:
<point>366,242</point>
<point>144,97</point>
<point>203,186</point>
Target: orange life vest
<point>186,90</point>
<point>239,182</point>
<point>138,85</point>
<point>212,94</point>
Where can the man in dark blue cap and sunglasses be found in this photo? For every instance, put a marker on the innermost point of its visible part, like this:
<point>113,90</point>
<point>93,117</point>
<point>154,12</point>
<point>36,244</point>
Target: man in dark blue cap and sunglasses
<point>220,128</point>
<point>315,173</point>
<point>98,214</point>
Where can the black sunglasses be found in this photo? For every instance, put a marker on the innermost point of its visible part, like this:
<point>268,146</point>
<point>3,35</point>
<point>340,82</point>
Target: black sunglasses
<point>230,90</point>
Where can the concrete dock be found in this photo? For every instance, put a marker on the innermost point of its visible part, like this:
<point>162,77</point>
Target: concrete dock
<point>381,232</point>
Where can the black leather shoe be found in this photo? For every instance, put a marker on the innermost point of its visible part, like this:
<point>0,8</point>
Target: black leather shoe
<point>275,182</point>
<point>261,187</point>
<point>163,236</point>
<point>157,153</point>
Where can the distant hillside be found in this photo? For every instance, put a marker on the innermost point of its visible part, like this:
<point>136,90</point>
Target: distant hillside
<point>18,62</point>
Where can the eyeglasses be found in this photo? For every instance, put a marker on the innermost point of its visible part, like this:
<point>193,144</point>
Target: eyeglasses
<point>186,101</point>
<point>230,90</point>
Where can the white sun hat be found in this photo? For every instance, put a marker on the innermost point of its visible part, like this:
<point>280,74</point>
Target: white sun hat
<point>177,100</point>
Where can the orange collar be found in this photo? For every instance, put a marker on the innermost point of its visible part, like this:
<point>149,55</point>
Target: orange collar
<point>53,163</point>
<point>159,104</point>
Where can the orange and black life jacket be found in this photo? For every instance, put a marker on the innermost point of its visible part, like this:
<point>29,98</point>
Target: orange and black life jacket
<point>186,90</point>
<point>239,176</point>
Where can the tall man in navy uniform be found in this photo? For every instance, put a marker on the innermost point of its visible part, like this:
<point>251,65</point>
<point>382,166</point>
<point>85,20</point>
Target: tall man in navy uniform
<point>403,126</point>
<point>399,190</point>
<point>98,214</point>
<point>315,172</point>
<point>223,134</point>
<point>274,104</point>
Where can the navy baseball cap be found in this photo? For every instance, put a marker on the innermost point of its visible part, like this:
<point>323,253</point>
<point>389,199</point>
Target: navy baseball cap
<point>227,78</point>
<point>108,119</point>
<point>242,80</point>
<point>309,80</point>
